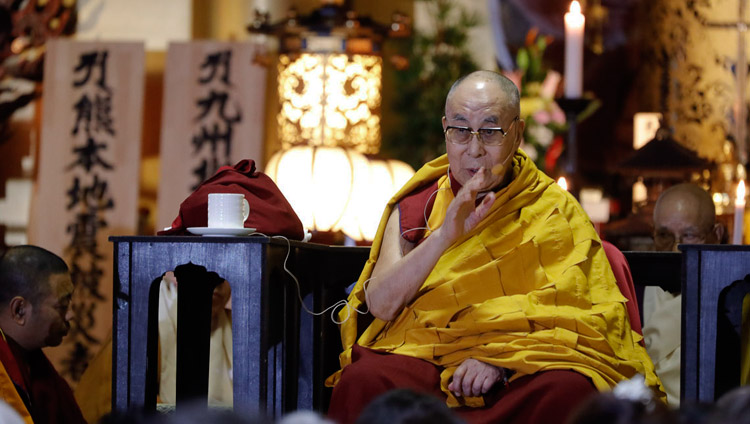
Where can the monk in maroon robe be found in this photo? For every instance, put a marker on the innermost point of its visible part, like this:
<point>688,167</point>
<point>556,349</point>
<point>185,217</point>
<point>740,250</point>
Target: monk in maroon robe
<point>35,295</point>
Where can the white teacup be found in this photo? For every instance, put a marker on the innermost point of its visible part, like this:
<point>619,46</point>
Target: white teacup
<point>227,210</point>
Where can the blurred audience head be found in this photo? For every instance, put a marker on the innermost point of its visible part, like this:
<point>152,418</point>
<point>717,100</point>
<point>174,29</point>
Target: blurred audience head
<point>694,412</point>
<point>605,408</point>
<point>304,417</point>
<point>404,406</point>
<point>195,412</point>
<point>630,402</point>
<point>733,407</point>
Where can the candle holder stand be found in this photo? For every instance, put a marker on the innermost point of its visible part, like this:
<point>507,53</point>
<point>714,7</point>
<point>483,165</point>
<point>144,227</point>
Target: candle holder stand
<point>572,108</point>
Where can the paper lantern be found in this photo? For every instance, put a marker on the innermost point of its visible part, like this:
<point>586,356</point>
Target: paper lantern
<point>317,181</point>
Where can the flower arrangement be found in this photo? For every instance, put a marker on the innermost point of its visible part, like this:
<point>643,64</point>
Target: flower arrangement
<point>429,64</point>
<point>545,121</point>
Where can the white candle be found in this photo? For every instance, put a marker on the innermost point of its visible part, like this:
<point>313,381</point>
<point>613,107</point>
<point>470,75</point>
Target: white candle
<point>574,26</point>
<point>739,213</point>
<point>562,182</point>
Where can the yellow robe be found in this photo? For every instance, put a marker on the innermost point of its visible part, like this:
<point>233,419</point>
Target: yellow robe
<point>9,394</point>
<point>529,289</point>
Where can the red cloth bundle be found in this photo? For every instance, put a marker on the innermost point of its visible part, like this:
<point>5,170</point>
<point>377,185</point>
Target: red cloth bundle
<point>270,212</point>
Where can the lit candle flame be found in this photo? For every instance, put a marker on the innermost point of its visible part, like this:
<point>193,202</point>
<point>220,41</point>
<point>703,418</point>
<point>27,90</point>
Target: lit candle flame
<point>739,198</point>
<point>575,24</point>
<point>562,182</point>
<point>575,7</point>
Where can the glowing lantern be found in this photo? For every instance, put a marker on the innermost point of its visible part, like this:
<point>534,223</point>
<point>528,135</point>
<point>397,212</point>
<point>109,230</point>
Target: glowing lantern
<point>317,181</point>
<point>334,189</point>
<point>375,182</point>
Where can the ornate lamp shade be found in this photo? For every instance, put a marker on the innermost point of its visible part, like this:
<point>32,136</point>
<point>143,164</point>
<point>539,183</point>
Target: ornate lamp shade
<point>330,100</point>
<point>375,182</point>
<point>317,181</point>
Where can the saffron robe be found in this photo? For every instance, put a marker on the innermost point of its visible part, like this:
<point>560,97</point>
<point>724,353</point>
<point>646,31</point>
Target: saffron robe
<point>30,384</point>
<point>528,289</point>
<point>416,207</point>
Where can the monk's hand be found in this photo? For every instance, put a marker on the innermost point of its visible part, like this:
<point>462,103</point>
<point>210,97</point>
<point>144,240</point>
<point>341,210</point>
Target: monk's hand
<point>462,214</point>
<point>474,378</point>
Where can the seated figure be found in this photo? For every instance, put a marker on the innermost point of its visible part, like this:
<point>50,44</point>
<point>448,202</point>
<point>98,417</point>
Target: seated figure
<point>683,213</point>
<point>488,284</point>
<point>35,297</point>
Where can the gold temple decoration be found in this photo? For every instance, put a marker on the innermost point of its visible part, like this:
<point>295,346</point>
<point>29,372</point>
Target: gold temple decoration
<point>330,99</point>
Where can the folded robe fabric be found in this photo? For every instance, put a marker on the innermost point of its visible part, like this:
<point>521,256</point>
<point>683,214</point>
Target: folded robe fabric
<point>270,212</point>
<point>529,289</point>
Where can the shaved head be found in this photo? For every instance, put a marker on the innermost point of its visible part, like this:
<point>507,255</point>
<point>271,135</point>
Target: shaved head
<point>687,213</point>
<point>692,203</point>
<point>506,86</point>
<point>488,101</point>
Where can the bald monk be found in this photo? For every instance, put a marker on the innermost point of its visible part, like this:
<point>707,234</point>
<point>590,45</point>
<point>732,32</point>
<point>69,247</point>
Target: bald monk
<point>683,214</point>
<point>488,285</point>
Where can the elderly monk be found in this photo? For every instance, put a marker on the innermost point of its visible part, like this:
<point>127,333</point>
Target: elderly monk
<point>487,282</point>
<point>683,214</point>
<point>35,295</point>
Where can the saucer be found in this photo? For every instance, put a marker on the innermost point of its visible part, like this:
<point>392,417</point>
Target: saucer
<point>221,232</point>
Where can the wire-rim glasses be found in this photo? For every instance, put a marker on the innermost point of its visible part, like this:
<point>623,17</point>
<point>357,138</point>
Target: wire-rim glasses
<point>487,136</point>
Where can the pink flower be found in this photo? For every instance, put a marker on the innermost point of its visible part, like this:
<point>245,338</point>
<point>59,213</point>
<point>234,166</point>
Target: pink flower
<point>558,116</point>
<point>542,117</point>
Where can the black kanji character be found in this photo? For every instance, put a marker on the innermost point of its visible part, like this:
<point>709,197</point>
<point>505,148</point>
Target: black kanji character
<point>221,98</point>
<point>88,155</point>
<point>214,137</point>
<point>94,196</point>
<point>87,62</point>
<point>83,233</point>
<point>213,61</point>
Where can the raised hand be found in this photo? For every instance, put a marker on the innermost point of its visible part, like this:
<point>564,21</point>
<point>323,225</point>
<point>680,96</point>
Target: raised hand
<point>462,214</point>
<point>397,276</point>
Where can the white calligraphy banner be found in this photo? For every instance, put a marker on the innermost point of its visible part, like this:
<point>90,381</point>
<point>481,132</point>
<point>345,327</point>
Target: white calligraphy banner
<point>88,178</point>
<point>213,115</point>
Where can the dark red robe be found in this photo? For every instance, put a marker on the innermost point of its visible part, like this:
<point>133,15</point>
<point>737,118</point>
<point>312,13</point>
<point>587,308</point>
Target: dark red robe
<point>46,395</point>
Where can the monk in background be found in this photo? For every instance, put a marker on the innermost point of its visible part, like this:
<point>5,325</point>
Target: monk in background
<point>35,295</point>
<point>488,285</point>
<point>685,214</point>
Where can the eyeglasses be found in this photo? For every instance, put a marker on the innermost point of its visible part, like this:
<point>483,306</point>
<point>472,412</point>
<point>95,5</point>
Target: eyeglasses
<point>486,136</point>
<point>664,239</point>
